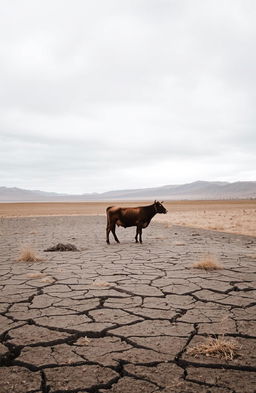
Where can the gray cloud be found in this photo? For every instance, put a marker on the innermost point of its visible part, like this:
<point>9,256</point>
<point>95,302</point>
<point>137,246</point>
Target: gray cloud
<point>109,94</point>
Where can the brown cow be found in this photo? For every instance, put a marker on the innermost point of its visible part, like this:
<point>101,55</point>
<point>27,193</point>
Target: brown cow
<point>131,216</point>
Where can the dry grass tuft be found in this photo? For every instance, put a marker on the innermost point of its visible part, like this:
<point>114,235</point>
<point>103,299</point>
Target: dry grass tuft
<point>35,275</point>
<point>48,279</point>
<point>83,341</point>
<point>207,263</point>
<point>215,347</point>
<point>101,284</point>
<point>28,255</point>
<point>41,276</point>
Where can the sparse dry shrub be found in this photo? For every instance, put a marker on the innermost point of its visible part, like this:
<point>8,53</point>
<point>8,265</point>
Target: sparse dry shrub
<point>62,247</point>
<point>28,255</point>
<point>209,262</point>
<point>215,347</point>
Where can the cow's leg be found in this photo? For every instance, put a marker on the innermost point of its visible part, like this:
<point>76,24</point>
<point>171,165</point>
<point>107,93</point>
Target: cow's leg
<point>136,236</point>
<point>113,230</point>
<point>140,235</point>
<point>107,234</point>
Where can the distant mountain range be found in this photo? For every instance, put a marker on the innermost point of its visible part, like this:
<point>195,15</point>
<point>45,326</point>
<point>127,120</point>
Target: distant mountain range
<point>199,190</point>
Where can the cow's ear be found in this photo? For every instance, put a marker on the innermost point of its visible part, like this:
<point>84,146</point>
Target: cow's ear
<point>162,201</point>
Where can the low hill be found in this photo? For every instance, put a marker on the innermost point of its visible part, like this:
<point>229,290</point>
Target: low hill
<point>199,190</point>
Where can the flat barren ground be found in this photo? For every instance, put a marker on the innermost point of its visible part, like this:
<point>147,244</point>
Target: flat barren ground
<point>227,216</point>
<point>124,318</point>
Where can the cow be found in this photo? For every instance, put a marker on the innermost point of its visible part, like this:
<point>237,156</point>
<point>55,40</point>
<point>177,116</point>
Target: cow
<point>131,216</point>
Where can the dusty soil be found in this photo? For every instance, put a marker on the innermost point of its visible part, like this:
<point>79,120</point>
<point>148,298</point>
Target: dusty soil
<point>227,216</point>
<point>120,318</point>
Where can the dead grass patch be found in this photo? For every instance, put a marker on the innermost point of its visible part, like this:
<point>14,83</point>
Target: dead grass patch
<point>35,275</point>
<point>209,262</point>
<point>62,247</point>
<point>216,347</point>
<point>27,254</point>
<point>41,276</point>
<point>101,284</point>
<point>48,279</point>
<point>83,341</point>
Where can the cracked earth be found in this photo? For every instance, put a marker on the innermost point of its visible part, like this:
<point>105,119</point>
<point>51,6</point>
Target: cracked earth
<point>120,318</point>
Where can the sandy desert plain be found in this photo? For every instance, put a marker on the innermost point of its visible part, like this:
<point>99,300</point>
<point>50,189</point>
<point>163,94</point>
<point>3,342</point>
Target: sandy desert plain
<point>128,318</point>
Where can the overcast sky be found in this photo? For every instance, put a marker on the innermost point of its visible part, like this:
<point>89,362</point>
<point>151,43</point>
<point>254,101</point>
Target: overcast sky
<point>101,95</point>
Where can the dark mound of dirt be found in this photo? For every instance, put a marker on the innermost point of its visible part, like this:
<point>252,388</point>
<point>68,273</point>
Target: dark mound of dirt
<point>62,247</point>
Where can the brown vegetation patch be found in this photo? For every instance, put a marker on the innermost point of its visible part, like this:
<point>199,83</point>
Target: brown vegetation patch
<point>28,255</point>
<point>208,263</point>
<point>215,347</point>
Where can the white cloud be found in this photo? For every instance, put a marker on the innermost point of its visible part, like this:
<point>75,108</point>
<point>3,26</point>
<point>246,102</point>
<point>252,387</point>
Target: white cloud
<point>104,95</point>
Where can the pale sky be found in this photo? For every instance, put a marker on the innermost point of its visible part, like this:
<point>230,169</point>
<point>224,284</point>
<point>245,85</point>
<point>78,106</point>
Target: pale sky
<point>101,95</point>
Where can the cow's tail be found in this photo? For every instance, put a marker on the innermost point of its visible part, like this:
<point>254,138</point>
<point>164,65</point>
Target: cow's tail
<point>107,210</point>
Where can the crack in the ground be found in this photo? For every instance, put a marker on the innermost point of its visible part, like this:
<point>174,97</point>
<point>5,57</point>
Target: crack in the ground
<point>180,353</point>
<point>209,385</point>
<point>186,363</point>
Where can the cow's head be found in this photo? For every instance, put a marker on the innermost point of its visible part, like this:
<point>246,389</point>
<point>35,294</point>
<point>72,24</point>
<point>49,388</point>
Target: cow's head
<point>160,208</point>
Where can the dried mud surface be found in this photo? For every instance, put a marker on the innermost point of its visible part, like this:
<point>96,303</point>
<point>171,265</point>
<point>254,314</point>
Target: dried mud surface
<point>120,318</point>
